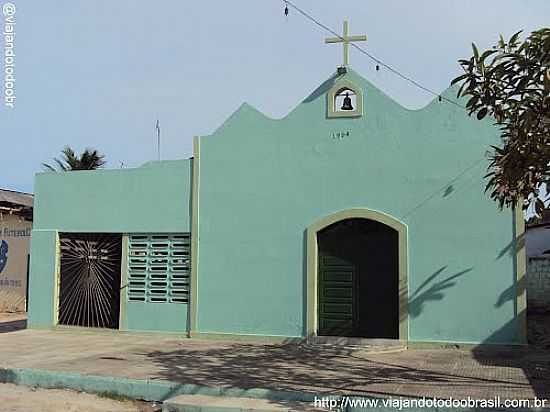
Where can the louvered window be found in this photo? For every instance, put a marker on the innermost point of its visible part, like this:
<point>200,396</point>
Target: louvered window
<point>159,267</point>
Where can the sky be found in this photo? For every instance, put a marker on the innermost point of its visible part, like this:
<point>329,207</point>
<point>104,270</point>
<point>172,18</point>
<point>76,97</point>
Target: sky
<point>100,73</point>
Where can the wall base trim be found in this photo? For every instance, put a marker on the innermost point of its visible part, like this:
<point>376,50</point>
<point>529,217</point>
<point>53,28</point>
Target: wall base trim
<point>464,345</point>
<point>247,337</point>
<point>280,339</point>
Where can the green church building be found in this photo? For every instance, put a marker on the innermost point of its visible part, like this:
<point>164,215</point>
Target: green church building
<point>352,216</point>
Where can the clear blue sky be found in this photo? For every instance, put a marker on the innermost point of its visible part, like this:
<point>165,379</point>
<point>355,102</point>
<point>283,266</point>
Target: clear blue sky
<point>99,73</point>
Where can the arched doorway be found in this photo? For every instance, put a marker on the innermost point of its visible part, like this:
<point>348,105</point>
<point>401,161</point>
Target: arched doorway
<point>358,279</point>
<point>357,276</point>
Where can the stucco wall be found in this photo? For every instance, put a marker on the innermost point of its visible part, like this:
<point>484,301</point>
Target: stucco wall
<point>154,198</point>
<point>151,198</point>
<point>264,181</point>
<point>15,237</point>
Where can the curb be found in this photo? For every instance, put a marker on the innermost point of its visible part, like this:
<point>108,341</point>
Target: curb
<point>162,390</point>
<point>144,389</point>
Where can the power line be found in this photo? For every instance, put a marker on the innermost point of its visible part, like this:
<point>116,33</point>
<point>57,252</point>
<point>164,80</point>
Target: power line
<point>366,53</point>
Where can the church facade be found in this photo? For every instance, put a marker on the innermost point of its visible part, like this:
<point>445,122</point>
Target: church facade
<point>351,216</point>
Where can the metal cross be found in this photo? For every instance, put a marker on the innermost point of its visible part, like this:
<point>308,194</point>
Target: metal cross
<point>346,39</point>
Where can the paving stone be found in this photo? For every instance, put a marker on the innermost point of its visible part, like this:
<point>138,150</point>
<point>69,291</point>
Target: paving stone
<point>314,369</point>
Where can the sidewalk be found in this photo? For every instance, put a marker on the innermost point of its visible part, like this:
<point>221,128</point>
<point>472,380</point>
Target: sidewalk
<point>314,369</point>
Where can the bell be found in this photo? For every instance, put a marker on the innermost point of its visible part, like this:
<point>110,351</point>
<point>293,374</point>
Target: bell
<point>347,103</point>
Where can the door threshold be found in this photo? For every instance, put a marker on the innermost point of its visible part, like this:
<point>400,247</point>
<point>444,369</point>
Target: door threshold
<point>78,328</point>
<point>355,341</point>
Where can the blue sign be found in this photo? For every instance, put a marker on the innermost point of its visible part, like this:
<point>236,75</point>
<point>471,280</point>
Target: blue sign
<point>3,255</point>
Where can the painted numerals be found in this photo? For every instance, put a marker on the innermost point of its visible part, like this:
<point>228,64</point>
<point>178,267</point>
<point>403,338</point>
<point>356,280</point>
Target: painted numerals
<point>340,135</point>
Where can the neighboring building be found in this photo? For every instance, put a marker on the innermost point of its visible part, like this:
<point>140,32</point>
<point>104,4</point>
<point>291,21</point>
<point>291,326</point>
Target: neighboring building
<point>15,231</point>
<point>537,235</point>
<point>537,239</point>
<point>537,248</point>
<point>351,216</point>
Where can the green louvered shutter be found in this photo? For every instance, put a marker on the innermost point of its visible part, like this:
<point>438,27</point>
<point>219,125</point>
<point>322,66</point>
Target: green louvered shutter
<point>159,267</point>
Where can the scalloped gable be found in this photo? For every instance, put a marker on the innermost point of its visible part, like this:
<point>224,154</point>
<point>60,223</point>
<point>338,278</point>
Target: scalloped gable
<point>245,113</point>
<point>374,97</point>
<point>368,87</point>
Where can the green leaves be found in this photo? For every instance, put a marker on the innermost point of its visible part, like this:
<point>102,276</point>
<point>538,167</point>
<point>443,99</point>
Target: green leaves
<point>487,53</point>
<point>459,78</point>
<point>476,52</point>
<point>482,113</point>
<point>89,160</point>
<point>508,82</point>
<point>501,42</point>
<point>513,40</point>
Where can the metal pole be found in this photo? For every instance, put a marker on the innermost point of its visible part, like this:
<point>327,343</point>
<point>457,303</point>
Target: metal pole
<point>158,139</point>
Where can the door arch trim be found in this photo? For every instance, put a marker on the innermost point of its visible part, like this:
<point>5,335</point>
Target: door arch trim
<point>312,264</point>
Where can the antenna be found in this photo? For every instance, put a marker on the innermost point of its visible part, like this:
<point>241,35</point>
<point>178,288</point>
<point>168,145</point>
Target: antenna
<point>157,128</point>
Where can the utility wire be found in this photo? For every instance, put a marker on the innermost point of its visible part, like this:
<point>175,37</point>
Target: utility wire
<point>375,59</point>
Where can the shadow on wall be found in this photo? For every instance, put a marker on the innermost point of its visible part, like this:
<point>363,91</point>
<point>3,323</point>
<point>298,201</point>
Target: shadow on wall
<point>448,190</point>
<point>432,289</point>
<point>322,89</point>
<point>513,247</point>
<point>511,292</point>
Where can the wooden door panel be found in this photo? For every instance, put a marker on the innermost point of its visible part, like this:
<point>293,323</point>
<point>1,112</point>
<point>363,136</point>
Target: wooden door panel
<point>336,305</point>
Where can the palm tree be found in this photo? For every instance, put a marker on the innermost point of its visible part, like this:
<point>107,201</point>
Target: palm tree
<point>90,159</point>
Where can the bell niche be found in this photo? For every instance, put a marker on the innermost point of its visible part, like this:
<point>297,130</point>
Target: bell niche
<point>345,100</point>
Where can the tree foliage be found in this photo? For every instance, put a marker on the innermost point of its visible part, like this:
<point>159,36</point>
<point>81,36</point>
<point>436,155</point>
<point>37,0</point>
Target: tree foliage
<point>90,159</point>
<point>511,83</point>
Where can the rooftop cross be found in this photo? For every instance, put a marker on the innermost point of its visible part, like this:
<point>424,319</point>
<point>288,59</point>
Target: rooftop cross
<point>346,39</point>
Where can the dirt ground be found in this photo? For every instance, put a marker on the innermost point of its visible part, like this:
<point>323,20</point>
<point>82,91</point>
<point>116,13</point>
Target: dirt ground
<point>14,398</point>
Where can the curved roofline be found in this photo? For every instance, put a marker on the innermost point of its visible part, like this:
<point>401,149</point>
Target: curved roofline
<point>325,86</point>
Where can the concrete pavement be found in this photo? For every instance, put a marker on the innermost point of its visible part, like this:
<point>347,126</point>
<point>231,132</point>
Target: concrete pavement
<point>311,369</point>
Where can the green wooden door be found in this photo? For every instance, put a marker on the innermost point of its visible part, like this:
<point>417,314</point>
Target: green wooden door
<point>336,297</point>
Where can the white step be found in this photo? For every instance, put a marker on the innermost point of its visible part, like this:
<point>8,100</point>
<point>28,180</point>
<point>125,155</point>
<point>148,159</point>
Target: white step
<point>363,344</point>
<point>203,403</point>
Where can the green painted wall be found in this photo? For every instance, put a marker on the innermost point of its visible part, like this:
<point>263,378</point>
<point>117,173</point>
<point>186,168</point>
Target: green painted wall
<point>156,317</point>
<point>151,198</point>
<point>154,198</point>
<point>264,181</point>
<point>41,278</point>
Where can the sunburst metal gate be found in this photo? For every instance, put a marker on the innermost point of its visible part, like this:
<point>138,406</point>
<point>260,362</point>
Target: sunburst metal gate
<point>89,287</point>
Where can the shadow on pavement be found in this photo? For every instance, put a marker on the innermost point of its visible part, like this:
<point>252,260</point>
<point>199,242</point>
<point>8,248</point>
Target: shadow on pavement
<point>327,369</point>
<point>13,325</point>
<point>533,359</point>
